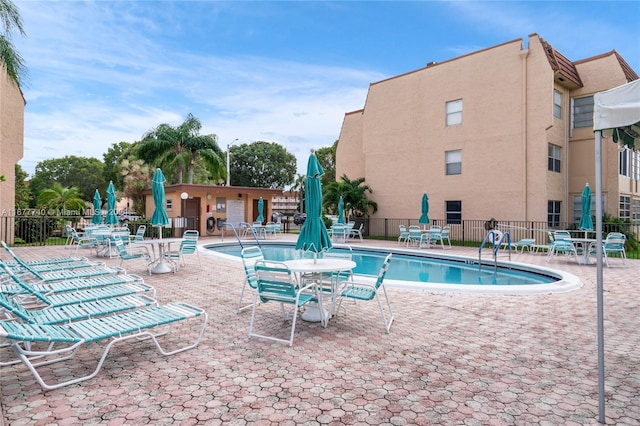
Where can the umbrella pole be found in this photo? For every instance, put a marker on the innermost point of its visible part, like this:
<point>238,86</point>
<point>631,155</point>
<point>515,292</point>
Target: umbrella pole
<point>315,257</point>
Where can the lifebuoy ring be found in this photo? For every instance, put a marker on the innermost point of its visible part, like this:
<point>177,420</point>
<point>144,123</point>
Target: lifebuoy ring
<point>211,223</point>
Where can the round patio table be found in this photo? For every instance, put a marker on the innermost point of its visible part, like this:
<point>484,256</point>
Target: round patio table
<point>321,266</point>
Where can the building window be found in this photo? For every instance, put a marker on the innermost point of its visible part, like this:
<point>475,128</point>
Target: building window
<point>636,165</point>
<point>453,212</point>
<point>555,152</point>
<point>557,104</point>
<point>453,162</point>
<point>553,214</point>
<point>583,112</point>
<point>624,162</point>
<point>625,207</point>
<point>169,204</point>
<point>636,211</point>
<point>454,112</point>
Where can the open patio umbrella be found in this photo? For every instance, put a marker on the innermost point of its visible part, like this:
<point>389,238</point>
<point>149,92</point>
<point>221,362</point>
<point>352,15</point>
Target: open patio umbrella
<point>424,217</point>
<point>97,209</point>
<point>586,224</point>
<point>159,217</point>
<point>111,218</point>
<point>341,211</point>
<point>260,217</point>
<point>313,234</point>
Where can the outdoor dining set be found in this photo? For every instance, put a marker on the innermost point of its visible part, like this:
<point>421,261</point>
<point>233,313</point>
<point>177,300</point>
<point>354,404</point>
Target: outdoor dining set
<point>117,242</point>
<point>423,237</point>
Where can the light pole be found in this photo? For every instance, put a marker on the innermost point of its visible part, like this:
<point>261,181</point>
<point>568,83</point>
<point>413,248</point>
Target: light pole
<point>184,197</point>
<point>228,166</point>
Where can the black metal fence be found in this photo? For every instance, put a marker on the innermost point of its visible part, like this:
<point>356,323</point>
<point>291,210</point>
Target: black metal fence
<point>49,230</point>
<point>472,232</point>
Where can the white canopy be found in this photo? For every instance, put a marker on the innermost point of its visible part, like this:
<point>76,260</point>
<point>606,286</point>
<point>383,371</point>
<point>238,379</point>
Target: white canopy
<point>616,113</point>
<point>618,108</point>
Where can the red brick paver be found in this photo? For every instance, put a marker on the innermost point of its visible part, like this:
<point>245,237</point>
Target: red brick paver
<point>449,359</point>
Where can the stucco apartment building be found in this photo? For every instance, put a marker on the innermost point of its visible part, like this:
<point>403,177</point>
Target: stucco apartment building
<point>11,147</point>
<point>505,133</point>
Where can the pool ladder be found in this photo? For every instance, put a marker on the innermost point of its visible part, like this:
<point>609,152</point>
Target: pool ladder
<point>230,225</point>
<point>491,237</point>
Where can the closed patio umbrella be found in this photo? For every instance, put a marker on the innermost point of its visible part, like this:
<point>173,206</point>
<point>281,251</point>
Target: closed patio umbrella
<point>586,223</point>
<point>424,217</point>
<point>97,209</point>
<point>260,217</point>
<point>111,218</point>
<point>313,234</point>
<point>159,217</point>
<point>341,210</point>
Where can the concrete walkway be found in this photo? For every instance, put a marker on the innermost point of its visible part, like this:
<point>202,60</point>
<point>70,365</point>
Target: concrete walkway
<point>450,359</point>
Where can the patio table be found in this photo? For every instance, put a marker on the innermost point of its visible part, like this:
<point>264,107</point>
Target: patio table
<point>159,261</point>
<point>315,312</point>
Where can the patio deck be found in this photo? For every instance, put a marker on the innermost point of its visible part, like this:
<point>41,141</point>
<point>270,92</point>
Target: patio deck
<point>449,359</point>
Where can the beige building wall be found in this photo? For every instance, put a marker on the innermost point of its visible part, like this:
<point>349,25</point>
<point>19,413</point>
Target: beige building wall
<point>399,140</point>
<point>11,149</point>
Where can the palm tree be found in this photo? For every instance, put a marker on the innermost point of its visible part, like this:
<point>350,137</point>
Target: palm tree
<point>9,57</point>
<point>178,148</point>
<point>298,185</point>
<point>61,198</point>
<point>354,194</point>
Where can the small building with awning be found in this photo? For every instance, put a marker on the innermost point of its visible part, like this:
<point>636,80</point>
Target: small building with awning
<point>206,208</point>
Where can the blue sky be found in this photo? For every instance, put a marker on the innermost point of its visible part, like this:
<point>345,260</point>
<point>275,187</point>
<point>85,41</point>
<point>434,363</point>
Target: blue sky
<point>102,72</point>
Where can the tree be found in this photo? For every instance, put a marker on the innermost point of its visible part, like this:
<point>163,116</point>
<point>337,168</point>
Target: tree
<point>9,57</point>
<point>298,185</point>
<point>112,159</point>
<point>327,159</point>
<point>354,194</point>
<point>136,177</point>
<point>60,198</point>
<point>262,165</point>
<point>84,173</point>
<point>22,191</point>
<point>176,149</point>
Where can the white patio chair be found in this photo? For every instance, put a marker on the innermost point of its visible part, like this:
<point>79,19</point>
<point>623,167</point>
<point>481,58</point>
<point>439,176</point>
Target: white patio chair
<point>366,291</point>
<point>275,283</point>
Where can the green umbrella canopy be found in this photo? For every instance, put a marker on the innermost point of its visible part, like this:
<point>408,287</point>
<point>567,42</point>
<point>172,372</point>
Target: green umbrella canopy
<point>97,209</point>
<point>586,223</point>
<point>159,217</point>
<point>111,218</point>
<point>424,217</point>
<point>341,210</point>
<point>313,234</point>
<point>260,217</point>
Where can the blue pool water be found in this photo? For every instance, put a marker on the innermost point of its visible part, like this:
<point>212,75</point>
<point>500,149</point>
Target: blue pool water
<point>417,267</point>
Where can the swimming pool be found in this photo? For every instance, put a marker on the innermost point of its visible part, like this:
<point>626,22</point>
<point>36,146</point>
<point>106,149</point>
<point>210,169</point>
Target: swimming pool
<point>426,271</point>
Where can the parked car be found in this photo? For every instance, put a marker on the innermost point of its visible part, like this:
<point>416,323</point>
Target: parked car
<point>130,216</point>
<point>299,218</point>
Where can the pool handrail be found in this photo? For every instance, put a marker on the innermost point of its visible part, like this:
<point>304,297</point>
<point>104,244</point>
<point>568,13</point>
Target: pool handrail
<point>496,246</point>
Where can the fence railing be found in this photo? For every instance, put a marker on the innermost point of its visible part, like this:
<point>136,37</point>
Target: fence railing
<point>47,230</point>
<point>51,230</point>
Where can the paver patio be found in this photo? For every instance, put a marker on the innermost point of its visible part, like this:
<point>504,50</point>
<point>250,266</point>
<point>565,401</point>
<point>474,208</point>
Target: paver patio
<point>449,359</point>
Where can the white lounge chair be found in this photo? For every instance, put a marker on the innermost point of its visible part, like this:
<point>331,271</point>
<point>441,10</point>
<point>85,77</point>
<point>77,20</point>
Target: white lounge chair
<point>62,342</point>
